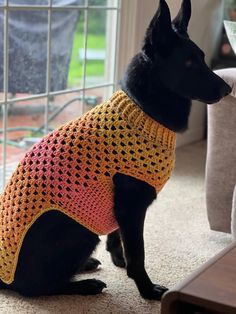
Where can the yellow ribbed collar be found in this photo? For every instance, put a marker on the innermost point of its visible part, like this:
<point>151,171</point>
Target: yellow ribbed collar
<point>150,128</point>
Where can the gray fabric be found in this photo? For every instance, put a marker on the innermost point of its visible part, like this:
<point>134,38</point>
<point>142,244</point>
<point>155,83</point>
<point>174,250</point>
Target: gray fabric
<point>221,157</point>
<point>233,218</point>
<point>28,47</point>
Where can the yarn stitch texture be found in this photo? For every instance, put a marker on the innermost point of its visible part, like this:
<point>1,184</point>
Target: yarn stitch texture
<point>71,170</point>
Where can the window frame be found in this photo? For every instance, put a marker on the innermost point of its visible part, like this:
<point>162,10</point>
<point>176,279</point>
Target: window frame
<point>110,79</point>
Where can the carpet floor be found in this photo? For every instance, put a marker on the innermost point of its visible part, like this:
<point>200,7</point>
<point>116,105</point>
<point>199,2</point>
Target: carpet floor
<point>177,241</point>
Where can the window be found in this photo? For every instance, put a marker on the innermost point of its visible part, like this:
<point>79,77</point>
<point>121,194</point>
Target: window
<point>57,60</point>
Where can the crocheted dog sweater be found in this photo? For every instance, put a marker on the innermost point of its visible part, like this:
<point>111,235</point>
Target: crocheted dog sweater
<point>71,170</point>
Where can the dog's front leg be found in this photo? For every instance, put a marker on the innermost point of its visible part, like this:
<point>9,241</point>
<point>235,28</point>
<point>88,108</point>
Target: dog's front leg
<point>132,198</point>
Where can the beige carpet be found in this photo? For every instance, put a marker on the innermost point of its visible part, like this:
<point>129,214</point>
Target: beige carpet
<point>177,239</point>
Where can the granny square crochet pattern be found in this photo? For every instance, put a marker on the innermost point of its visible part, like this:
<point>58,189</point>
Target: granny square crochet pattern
<point>71,170</point>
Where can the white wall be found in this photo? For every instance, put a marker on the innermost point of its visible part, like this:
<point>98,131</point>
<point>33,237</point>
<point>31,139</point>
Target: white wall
<point>204,29</point>
<point>135,17</point>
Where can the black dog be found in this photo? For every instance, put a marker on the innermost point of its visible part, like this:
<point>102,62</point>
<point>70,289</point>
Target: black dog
<point>162,79</point>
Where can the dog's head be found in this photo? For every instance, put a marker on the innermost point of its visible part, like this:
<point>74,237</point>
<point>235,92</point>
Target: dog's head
<point>177,61</point>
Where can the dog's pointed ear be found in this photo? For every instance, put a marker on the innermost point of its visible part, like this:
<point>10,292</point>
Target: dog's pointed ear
<point>158,30</point>
<point>182,19</point>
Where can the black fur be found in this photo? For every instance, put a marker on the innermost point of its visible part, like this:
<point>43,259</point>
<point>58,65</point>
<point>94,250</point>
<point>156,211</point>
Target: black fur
<point>170,71</point>
<point>162,79</point>
<point>54,249</point>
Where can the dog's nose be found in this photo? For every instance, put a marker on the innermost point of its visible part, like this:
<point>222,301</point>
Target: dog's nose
<point>225,90</point>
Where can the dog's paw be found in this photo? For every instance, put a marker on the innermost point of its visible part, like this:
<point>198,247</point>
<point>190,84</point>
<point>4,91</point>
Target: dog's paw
<point>118,260</point>
<point>155,293</point>
<point>92,286</point>
<point>91,264</point>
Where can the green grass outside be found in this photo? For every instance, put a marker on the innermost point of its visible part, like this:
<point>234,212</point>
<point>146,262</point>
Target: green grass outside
<point>93,68</point>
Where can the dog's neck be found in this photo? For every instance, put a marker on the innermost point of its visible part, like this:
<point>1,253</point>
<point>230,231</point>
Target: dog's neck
<point>154,98</point>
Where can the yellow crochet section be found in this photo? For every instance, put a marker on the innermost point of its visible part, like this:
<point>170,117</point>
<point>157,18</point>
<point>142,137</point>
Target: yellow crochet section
<point>71,170</point>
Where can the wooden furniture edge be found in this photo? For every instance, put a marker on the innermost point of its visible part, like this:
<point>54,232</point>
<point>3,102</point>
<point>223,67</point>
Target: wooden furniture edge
<point>174,295</point>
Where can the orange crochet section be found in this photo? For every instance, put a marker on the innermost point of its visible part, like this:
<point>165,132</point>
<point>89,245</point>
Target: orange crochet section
<point>71,170</point>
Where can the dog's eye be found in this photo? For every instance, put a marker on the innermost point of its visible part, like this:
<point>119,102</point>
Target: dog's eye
<point>188,63</point>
